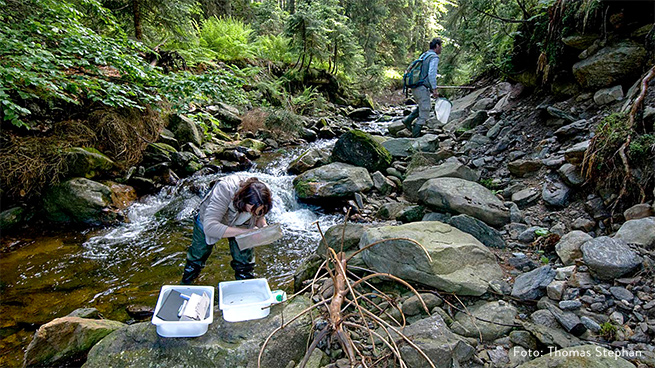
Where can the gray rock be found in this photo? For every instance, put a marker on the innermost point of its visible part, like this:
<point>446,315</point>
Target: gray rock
<point>524,339</point>
<point>336,180</point>
<point>568,247</point>
<point>185,130</point>
<point>483,104</point>
<point>87,162</point>
<point>522,168</point>
<point>91,313</point>
<point>621,293</point>
<point>543,317</point>
<point>640,232</point>
<point>559,114</point>
<point>361,113</point>
<point>551,336</point>
<point>571,129</point>
<point>79,200</point>
<point>418,176</point>
<point>12,217</point>
<point>465,197</point>
<point>225,345</point>
<point>609,258</point>
<point>610,65</point>
<point>525,197</point>
<point>336,235</point>
<point>584,356</point>
<point>555,289</point>
<point>489,319</point>
<point>457,261</point>
<point>411,213</point>
<point>311,159</point>
<point>406,147</point>
<point>413,306</point>
<point>64,339</point>
<point>382,183</point>
<point>395,127</point>
<point>437,216</point>
<point>481,231</point>
<point>532,285</point>
<point>571,175</point>
<point>568,305</point>
<point>639,211</point>
<point>575,154</point>
<point>555,193</point>
<point>432,336</point>
<point>583,224</point>
<point>590,324</point>
<point>580,41</point>
<point>360,149</point>
<point>608,95</point>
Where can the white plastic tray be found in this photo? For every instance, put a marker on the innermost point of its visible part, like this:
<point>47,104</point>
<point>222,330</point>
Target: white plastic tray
<point>184,328</point>
<point>245,300</point>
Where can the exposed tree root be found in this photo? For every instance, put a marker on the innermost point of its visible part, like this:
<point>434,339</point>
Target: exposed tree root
<point>350,308</point>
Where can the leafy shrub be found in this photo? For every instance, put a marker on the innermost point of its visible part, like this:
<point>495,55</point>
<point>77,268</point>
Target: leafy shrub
<point>227,37</point>
<point>47,53</point>
<point>273,48</point>
<point>284,123</point>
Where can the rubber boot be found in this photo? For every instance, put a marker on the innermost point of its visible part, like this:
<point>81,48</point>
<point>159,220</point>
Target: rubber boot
<point>191,272</point>
<point>243,271</point>
<point>416,131</point>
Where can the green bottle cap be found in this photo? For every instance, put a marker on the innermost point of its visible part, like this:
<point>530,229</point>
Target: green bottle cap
<point>278,297</point>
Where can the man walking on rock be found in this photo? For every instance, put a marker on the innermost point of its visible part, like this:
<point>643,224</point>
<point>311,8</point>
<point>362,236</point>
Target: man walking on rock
<point>422,92</point>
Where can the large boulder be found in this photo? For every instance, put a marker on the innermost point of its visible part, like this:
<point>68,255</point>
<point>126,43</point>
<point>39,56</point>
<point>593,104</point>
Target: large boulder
<point>609,258</point>
<point>78,200</point>
<point>225,345</point>
<point>464,197</point>
<point>12,217</point>
<point>339,238</point>
<point>457,262</point>
<point>579,357</point>
<point>336,180</point>
<point>640,232</point>
<point>611,65</point>
<point>360,149</point>
<point>495,320</point>
<point>418,176</point>
<point>185,130</point>
<point>87,162</point>
<point>406,147</point>
<point>65,339</point>
<point>227,115</point>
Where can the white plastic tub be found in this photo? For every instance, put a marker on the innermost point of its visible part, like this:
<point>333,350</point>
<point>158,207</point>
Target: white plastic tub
<point>245,300</point>
<point>184,328</point>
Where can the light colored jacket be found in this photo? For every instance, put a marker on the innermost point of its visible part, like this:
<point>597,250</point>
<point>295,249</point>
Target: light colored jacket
<point>217,212</point>
<point>432,71</point>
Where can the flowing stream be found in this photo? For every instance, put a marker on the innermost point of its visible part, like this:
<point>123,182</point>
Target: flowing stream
<point>50,275</point>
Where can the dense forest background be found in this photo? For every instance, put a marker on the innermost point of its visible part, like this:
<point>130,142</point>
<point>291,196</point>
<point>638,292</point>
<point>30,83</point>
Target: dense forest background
<point>96,67</point>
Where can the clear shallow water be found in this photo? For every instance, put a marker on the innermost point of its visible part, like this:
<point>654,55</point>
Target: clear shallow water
<point>52,274</point>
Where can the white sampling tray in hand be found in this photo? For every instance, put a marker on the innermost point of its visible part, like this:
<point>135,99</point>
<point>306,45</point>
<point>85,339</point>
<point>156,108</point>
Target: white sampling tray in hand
<point>245,300</point>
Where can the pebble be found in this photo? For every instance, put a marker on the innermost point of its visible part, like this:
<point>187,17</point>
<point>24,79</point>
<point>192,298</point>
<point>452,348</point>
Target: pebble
<point>617,318</point>
<point>570,305</point>
<point>621,293</point>
<point>590,324</point>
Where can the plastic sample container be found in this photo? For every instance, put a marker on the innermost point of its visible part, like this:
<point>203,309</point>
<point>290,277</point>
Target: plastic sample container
<point>255,238</point>
<point>245,300</point>
<point>442,110</point>
<point>183,328</point>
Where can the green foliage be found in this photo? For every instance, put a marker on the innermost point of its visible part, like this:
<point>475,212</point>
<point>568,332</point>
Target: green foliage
<point>47,53</point>
<point>185,89</point>
<point>227,37</point>
<point>608,331</point>
<point>487,182</point>
<point>284,123</point>
<point>541,232</point>
<point>273,48</point>
<point>642,148</point>
<point>306,101</point>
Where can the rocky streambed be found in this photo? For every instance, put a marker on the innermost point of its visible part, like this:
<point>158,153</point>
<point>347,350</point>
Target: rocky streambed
<point>520,263</point>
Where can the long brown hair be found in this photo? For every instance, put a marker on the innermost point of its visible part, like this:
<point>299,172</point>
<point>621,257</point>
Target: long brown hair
<point>257,194</point>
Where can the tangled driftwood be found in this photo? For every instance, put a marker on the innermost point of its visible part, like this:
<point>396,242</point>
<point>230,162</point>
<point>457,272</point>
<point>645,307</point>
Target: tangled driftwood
<point>351,309</point>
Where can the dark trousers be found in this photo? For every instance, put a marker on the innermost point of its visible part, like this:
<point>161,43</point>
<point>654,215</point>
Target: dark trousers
<point>243,261</point>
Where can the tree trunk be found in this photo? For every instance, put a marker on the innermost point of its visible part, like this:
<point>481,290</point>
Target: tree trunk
<point>136,8</point>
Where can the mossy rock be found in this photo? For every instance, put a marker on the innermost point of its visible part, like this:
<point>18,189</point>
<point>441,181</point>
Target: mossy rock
<point>87,162</point>
<point>361,149</point>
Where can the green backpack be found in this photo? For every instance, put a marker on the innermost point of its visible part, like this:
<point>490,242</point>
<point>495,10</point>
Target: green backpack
<point>417,72</point>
